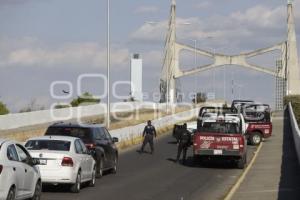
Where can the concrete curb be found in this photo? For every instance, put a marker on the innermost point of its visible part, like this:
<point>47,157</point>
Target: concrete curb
<point>236,186</point>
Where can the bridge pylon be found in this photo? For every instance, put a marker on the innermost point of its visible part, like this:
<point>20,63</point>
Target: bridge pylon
<point>292,76</point>
<point>289,72</point>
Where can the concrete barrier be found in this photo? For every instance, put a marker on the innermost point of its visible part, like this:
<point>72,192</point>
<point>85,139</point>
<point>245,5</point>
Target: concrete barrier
<point>295,130</point>
<point>17,120</point>
<point>129,133</point>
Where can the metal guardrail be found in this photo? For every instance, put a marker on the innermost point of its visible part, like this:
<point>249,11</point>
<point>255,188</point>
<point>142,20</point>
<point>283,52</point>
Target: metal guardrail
<point>295,130</point>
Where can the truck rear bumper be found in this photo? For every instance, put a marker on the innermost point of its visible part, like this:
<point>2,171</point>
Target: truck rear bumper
<point>217,152</point>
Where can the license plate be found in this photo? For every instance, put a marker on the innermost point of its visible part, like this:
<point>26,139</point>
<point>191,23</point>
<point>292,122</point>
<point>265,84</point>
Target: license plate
<point>218,152</point>
<point>43,162</point>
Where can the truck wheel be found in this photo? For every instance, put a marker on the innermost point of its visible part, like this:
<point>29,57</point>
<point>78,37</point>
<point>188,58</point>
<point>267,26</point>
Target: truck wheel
<point>242,162</point>
<point>255,138</point>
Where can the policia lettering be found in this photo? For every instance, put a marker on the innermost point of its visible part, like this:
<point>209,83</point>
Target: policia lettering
<point>184,141</point>
<point>149,133</point>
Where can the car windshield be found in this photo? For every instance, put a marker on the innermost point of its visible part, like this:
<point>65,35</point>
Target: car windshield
<point>220,127</point>
<point>82,133</point>
<point>51,145</point>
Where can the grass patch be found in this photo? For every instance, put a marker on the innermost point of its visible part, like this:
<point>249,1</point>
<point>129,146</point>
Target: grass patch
<point>295,101</point>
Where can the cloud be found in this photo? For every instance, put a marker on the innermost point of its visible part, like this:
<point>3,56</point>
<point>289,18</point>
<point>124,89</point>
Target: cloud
<point>258,21</point>
<point>203,5</point>
<point>260,16</point>
<point>146,9</point>
<point>150,32</point>
<point>13,2</point>
<point>74,54</point>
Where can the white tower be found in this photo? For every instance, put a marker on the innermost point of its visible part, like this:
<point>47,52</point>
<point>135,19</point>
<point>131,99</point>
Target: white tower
<point>136,76</point>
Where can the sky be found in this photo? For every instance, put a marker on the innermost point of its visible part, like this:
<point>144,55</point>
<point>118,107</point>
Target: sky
<point>43,41</point>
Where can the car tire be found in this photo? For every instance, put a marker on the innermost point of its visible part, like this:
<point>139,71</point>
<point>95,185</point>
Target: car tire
<point>11,194</point>
<point>255,138</point>
<point>75,188</point>
<point>114,169</point>
<point>93,181</point>
<point>100,166</point>
<point>242,162</point>
<point>37,191</point>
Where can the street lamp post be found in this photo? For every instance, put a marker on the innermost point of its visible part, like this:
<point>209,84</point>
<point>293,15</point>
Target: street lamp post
<point>195,64</point>
<point>108,66</point>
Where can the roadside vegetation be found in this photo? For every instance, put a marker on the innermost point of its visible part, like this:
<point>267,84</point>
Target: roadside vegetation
<point>201,98</point>
<point>3,109</point>
<point>295,100</point>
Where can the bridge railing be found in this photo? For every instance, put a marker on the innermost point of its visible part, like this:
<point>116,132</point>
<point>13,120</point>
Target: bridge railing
<point>295,130</point>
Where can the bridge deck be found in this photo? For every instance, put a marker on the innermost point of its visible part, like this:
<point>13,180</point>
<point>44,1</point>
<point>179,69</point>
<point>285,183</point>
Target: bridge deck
<point>276,173</point>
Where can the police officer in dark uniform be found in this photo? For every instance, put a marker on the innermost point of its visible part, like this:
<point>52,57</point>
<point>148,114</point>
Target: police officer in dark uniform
<point>149,133</point>
<point>185,140</point>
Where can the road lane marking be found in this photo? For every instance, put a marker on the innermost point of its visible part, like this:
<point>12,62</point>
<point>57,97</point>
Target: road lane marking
<point>236,186</point>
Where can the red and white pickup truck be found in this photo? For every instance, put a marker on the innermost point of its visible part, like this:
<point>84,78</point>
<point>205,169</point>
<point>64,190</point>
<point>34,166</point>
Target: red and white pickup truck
<point>221,136</point>
<point>258,122</point>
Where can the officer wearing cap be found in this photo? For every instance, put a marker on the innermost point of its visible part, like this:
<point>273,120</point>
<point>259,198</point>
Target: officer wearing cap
<point>148,134</point>
<point>184,141</point>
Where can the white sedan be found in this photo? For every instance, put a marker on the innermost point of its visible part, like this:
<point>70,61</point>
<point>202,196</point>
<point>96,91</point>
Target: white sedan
<point>63,160</point>
<point>19,176</point>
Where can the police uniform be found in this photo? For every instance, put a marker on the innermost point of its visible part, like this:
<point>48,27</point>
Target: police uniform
<point>149,133</point>
<point>184,142</point>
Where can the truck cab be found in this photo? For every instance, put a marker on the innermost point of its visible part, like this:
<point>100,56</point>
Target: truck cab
<point>236,104</point>
<point>221,136</point>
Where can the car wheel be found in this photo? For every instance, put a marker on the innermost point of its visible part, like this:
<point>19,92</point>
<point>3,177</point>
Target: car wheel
<point>38,191</point>
<point>255,138</point>
<point>75,188</point>
<point>242,162</point>
<point>93,181</point>
<point>11,194</point>
<point>100,168</point>
<point>115,166</point>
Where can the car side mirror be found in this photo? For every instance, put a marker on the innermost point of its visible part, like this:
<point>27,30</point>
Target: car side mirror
<point>115,139</point>
<point>35,161</point>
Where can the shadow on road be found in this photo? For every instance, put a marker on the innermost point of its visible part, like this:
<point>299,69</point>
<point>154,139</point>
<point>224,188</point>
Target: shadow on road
<point>213,164</point>
<point>289,186</point>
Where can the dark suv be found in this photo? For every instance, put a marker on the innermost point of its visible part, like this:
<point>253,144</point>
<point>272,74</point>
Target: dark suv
<point>96,138</point>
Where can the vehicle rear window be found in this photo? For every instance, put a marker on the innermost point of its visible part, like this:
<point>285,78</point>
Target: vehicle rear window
<point>216,127</point>
<point>83,133</point>
<point>51,145</point>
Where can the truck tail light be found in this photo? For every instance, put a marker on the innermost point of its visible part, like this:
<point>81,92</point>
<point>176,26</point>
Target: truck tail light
<point>242,143</point>
<point>67,162</point>
<point>1,168</point>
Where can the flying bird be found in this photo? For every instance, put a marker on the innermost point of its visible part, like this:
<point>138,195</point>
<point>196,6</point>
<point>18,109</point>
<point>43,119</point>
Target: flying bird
<point>65,92</point>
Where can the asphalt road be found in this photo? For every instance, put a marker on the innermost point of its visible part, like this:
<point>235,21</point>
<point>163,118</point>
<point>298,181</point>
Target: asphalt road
<point>146,176</point>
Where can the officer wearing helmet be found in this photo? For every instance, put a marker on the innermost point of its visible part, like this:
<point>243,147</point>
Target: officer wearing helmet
<point>148,134</point>
<point>184,141</point>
